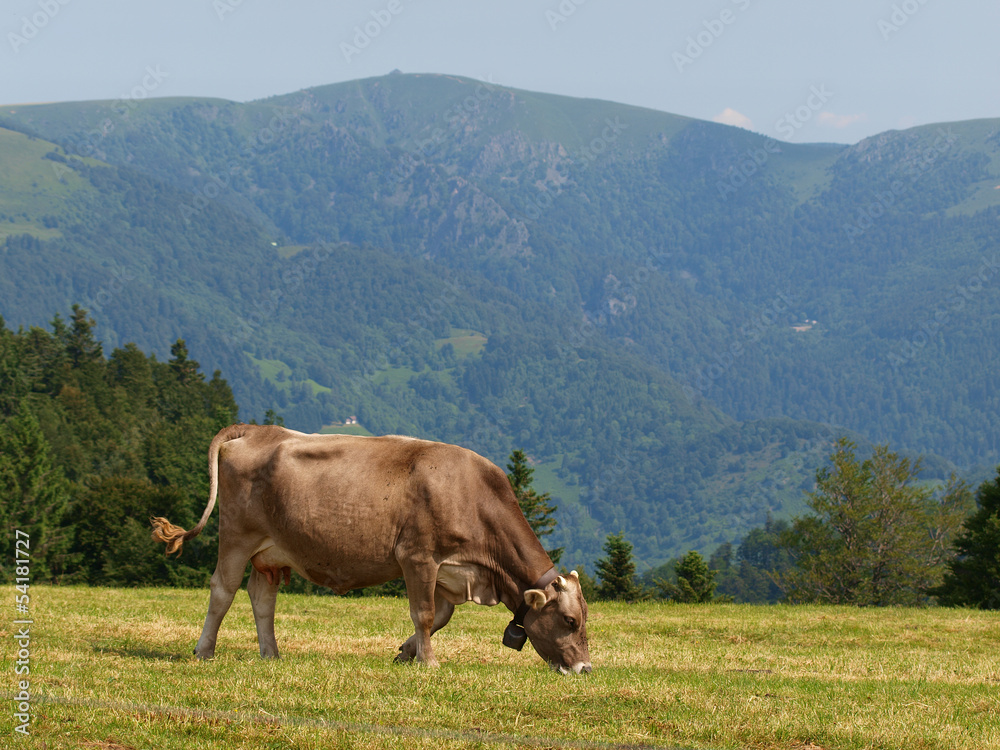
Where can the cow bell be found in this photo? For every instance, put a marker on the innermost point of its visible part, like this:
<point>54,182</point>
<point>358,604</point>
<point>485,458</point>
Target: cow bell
<point>514,636</point>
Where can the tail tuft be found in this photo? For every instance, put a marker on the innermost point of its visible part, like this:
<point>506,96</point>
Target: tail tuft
<point>164,531</point>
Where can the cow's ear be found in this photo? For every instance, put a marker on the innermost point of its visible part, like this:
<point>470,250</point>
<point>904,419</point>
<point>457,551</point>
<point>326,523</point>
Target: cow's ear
<point>535,598</point>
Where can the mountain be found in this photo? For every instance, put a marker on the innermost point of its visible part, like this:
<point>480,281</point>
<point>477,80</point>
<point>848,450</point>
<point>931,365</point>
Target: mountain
<point>664,313</point>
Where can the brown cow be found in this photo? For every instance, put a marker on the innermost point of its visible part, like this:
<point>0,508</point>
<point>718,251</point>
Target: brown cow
<point>346,512</point>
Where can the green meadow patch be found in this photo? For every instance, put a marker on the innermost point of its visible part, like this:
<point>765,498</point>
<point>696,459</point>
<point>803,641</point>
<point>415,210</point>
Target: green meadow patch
<point>465,341</point>
<point>280,375</point>
<point>112,668</point>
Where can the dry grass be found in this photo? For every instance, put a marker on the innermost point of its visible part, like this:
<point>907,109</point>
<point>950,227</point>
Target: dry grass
<point>117,666</point>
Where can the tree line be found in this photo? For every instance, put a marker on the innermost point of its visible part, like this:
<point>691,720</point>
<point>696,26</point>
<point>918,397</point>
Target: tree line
<point>92,445</point>
<point>874,536</point>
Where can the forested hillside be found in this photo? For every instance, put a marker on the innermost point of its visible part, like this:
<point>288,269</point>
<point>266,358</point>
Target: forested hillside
<point>92,445</point>
<point>665,314</point>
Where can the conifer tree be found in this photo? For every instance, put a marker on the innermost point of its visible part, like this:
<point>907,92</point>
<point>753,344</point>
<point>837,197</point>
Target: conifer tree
<point>695,581</point>
<point>973,577</point>
<point>35,495</point>
<point>13,384</point>
<point>185,369</point>
<point>617,571</point>
<point>537,509</point>
<point>81,346</point>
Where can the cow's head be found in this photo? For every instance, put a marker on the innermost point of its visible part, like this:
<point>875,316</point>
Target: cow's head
<point>556,624</point>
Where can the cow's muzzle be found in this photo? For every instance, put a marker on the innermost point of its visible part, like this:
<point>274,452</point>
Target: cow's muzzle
<point>578,668</point>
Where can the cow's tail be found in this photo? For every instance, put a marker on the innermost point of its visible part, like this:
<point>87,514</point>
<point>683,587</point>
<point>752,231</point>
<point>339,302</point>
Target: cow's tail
<point>174,536</point>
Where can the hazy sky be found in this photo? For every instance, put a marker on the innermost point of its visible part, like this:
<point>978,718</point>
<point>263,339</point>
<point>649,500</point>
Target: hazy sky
<point>794,70</point>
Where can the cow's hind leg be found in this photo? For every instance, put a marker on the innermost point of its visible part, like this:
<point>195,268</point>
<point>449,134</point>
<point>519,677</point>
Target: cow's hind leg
<point>225,583</point>
<point>263,595</point>
<point>443,610</point>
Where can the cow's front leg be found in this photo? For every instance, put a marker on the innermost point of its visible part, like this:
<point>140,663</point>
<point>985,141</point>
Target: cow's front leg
<point>442,614</point>
<point>263,596</point>
<point>429,612</point>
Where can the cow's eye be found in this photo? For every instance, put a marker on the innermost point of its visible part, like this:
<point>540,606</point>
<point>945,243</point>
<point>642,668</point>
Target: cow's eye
<point>570,623</point>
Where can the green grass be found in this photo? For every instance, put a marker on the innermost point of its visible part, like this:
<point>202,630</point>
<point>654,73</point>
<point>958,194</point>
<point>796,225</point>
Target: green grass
<point>15,228</point>
<point>546,479</point>
<point>465,341</point>
<point>116,669</point>
<point>396,377</point>
<point>272,369</point>
<point>290,251</point>
<point>804,167</point>
<point>32,186</point>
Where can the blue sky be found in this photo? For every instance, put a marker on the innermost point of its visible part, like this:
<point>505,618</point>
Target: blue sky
<point>799,71</point>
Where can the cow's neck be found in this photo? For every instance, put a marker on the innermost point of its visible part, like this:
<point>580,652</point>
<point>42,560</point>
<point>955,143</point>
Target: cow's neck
<point>519,569</point>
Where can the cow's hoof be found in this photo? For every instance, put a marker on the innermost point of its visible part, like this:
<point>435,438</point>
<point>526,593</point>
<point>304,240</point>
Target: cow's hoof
<point>406,654</point>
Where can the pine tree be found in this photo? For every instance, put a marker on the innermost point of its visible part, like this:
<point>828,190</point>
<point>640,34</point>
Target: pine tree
<point>81,347</point>
<point>973,577</point>
<point>759,561</point>
<point>35,495</point>
<point>617,571</point>
<point>186,369</point>
<point>271,418</point>
<point>13,384</point>
<point>537,509</point>
<point>695,581</point>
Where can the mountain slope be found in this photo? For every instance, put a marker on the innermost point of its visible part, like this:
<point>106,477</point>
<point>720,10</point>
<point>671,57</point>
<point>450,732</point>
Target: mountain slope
<point>643,283</point>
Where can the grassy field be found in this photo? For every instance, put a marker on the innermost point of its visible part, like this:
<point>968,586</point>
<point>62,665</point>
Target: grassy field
<point>112,669</point>
<point>272,369</point>
<point>466,342</point>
